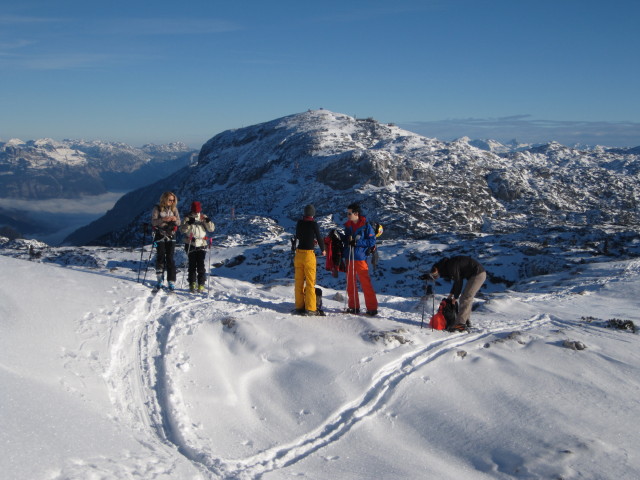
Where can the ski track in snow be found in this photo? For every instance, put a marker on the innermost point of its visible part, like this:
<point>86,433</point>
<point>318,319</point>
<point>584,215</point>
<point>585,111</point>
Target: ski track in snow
<point>145,398</point>
<point>131,378</point>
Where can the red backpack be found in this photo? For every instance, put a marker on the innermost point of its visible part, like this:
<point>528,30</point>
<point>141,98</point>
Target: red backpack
<point>438,322</point>
<point>445,316</point>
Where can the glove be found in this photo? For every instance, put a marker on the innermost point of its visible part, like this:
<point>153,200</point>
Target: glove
<point>352,241</point>
<point>191,221</point>
<point>427,277</point>
<point>205,219</point>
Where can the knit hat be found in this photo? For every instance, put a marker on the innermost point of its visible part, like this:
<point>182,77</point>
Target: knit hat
<point>196,207</point>
<point>309,211</point>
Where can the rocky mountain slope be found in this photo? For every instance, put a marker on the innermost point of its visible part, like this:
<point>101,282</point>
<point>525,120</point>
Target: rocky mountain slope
<point>255,181</point>
<point>44,169</point>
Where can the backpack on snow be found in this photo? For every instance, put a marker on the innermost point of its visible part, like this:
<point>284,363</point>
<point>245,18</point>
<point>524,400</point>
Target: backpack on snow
<point>445,317</point>
<point>334,247</point>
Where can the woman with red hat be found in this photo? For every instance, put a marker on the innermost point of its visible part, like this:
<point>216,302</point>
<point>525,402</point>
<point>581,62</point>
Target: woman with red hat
<point>195,228</point>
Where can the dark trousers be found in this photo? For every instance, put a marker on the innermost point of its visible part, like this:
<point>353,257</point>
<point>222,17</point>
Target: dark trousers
<point>196,263</point>
<point>164,259</point>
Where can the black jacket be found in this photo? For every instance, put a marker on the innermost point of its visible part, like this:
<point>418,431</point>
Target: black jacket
<point>307,231</point>
<point>458,269</point>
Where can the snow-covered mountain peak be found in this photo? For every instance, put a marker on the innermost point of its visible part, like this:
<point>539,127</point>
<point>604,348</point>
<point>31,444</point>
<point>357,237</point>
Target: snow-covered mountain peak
<point>46,168</point>
<point>47,143</point>
<point>415,186</point>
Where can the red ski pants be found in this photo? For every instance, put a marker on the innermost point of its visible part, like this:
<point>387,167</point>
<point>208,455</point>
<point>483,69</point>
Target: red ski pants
<point>360,269</point>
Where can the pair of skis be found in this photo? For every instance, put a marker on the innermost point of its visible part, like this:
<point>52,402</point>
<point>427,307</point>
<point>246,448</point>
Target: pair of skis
<point>155,290</point>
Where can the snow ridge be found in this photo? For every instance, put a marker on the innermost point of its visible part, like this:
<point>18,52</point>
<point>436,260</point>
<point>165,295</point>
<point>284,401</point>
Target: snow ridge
<point>415,186</point>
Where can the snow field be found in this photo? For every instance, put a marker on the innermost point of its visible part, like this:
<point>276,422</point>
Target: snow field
<point>101,379</point>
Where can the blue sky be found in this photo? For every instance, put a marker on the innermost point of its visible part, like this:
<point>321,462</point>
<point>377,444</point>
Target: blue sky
<point>159,71</point>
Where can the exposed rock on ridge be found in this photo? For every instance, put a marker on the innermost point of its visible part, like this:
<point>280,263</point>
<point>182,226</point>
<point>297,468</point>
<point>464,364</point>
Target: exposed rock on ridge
<point>415,186</point>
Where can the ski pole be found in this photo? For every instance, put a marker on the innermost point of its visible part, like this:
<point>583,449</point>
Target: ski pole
<point>293,252</point>
<point>144,240</point>
<point>428,293</point>
<point>146,268</point>
<point>188,251</point>
<point>209,266</point>
<point>351,273</point>
<point>433,299</point>
<point>356,295</point>
<point>425,299</point>
<point>346,288</point>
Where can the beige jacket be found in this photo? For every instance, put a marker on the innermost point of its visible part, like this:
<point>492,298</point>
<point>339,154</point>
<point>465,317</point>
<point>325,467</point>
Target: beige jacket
<point>158,220</point>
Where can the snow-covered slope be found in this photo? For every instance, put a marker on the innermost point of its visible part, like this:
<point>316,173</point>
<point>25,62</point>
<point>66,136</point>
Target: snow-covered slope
<point>101,379</point>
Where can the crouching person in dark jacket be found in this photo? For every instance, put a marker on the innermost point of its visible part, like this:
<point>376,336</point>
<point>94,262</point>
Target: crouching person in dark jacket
<point>458,269</point>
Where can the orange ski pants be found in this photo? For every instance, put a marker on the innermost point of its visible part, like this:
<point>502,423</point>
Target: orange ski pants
<point>360,269</point>
<point>304,264</point>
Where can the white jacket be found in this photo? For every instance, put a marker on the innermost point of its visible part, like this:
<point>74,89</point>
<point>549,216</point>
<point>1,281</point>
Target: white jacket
<point>196,232</point>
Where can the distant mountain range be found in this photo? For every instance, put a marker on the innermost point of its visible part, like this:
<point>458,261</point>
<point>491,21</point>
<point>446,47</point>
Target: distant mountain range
<point>46,169</point>
<point>254,181</point>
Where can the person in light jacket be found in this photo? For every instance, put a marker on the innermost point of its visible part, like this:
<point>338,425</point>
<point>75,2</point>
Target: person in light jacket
<point>165,220</point>
<point>195,227</point>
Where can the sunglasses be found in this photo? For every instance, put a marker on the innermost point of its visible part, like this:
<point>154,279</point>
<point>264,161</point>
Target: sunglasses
<point>351,213</point>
